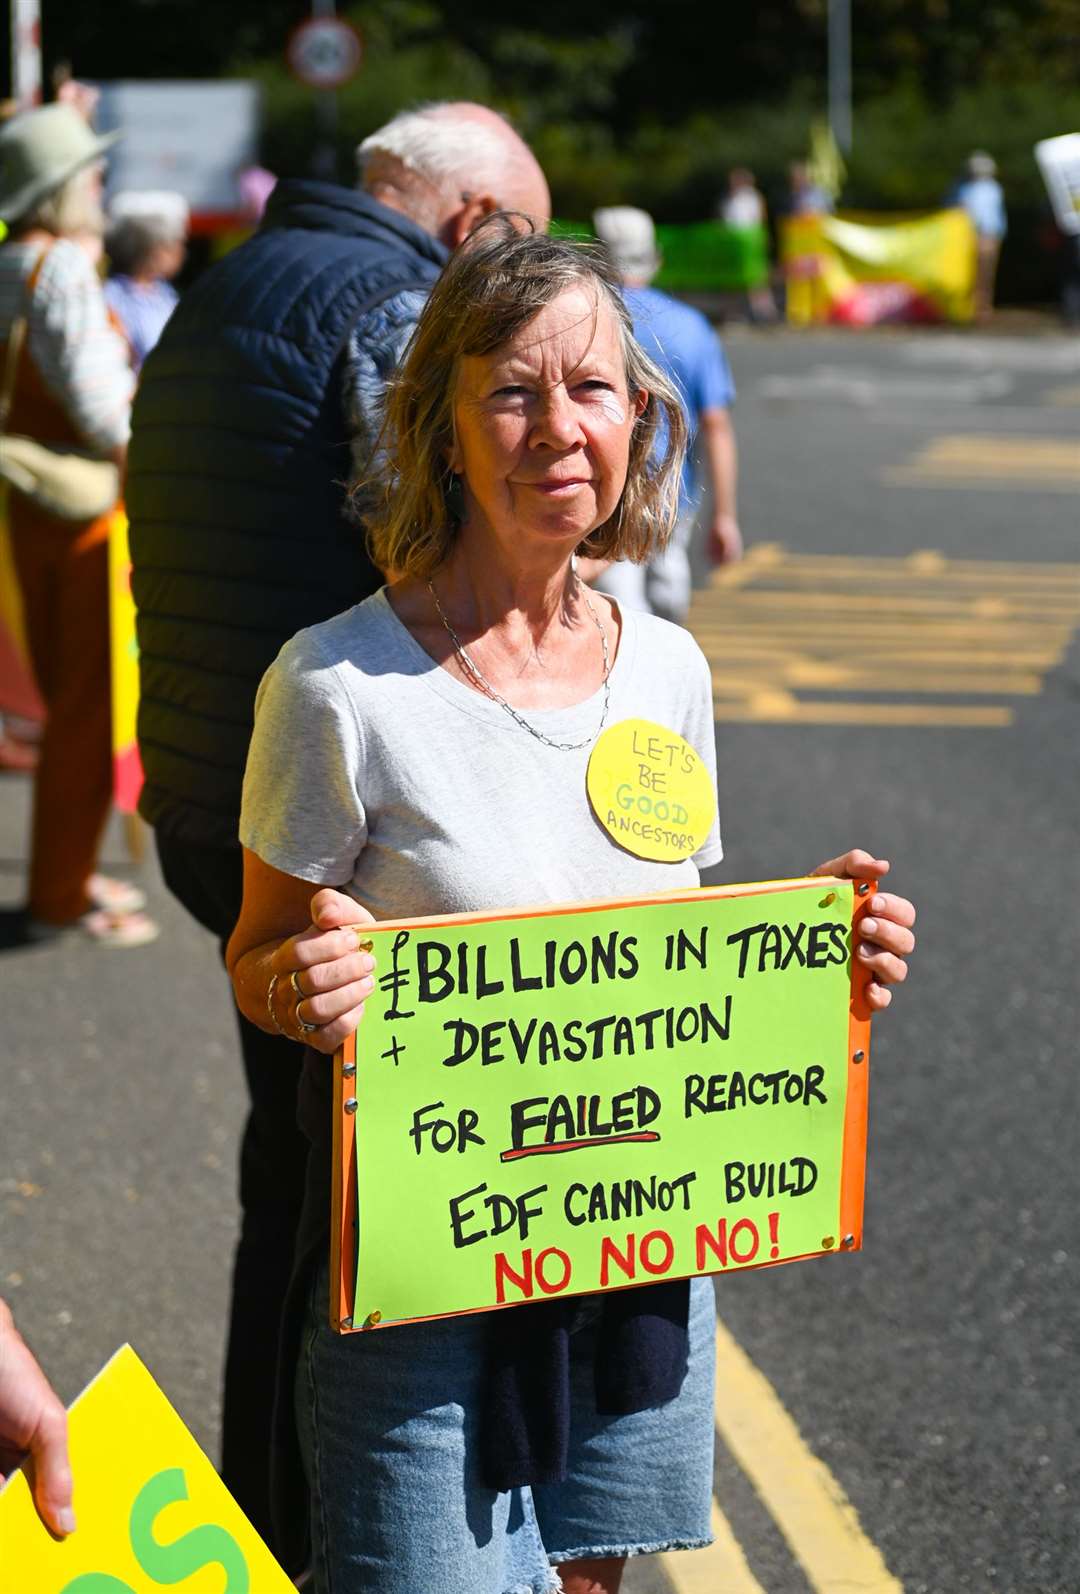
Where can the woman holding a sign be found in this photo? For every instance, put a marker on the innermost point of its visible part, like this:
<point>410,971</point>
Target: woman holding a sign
<point>466,740</point>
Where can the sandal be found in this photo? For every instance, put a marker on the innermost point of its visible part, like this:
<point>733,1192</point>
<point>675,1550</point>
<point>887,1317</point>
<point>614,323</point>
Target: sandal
<point>119,929</point>
<point>107,929</point>
<point>115,896</point>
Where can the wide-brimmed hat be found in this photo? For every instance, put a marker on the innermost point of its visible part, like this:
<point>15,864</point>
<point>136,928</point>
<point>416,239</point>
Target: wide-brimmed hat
<point>39,151</point>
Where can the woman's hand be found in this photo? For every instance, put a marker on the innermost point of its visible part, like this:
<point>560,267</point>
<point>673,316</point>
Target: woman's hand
<point>322,977</point>
<point>888,941</point>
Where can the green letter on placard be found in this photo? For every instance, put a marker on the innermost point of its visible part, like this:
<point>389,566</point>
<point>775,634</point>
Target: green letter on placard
<point>171,1563</point>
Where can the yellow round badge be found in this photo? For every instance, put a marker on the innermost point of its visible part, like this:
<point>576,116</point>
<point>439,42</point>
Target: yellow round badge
<point>650,790</point>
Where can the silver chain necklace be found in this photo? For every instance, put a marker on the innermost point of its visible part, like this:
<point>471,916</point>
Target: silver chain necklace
<point>486,686</point>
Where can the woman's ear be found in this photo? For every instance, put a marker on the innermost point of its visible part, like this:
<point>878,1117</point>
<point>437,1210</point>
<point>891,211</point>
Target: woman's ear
<point>641,403</point>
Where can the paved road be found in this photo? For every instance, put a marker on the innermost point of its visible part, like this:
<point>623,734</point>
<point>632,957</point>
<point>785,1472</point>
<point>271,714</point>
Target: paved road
<point>933,1375</point>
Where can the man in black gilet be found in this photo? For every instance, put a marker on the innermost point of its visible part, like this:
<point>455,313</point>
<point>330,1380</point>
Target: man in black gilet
<point>266,384</point>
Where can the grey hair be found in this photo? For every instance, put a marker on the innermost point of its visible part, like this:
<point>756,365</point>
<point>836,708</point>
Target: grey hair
<point>131,240</point>
<point>442,148</point>
<point>494,286</point>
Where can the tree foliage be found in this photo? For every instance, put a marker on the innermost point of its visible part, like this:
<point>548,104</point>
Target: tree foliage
<point>647,101</point>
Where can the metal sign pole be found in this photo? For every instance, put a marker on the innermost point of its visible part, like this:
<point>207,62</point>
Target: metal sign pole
<point>840,72</point>
<point>324,163</point>
<point>26,52</point>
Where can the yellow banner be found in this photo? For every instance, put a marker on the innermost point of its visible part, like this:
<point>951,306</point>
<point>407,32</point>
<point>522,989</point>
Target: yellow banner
<point>863,270</point>
<point>124,650</point>
<point>152,1512</point>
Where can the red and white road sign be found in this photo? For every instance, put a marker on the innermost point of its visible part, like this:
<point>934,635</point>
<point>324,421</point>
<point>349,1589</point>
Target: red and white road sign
<point>324,52</point>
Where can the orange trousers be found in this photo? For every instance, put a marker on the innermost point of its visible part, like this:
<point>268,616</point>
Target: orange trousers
<point>63,574</point>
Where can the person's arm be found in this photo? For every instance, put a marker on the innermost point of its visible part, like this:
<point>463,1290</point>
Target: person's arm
<point>82,358</point>
<point>333,973</point>
<point>33,1423</point>
<point>375,348</point>
<point>721,462</point>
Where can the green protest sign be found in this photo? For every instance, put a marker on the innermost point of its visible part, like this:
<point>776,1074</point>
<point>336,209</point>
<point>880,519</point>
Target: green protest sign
<point>589,1097</point>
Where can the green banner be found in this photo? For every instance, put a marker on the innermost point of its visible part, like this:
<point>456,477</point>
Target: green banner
<point>702,256</point>
<point>708,257</point>
<point>594,1097</point>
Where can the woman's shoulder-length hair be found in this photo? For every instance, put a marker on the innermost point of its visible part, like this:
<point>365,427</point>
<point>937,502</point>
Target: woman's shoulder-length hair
<point>493,286</point>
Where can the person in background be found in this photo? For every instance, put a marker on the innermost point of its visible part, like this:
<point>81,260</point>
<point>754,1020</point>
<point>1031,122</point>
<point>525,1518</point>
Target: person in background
<point>33,1424</point>
<point>805,197</point>
<point>146,242</point>
<point>981,195</point>
<point>743,205</point>
<point>69,387</point>
<point>254,184</point>
<point>743,209</point>
<point>273,364</point>
<point>688,351</point>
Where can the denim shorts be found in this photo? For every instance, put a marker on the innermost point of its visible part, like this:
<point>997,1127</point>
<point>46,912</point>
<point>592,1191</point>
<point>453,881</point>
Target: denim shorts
<point>389,1430</point>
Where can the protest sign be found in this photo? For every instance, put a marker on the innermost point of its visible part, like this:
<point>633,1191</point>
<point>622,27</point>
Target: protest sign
<point>591,1096</point>
<point>1059,162</point>
<point>151,1510</point>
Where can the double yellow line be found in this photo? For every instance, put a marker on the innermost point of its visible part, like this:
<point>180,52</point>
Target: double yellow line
<point>805,1501</point>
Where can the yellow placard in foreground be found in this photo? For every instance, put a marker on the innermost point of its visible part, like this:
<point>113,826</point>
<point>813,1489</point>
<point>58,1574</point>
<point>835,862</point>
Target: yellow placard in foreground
<point>152,1512</point>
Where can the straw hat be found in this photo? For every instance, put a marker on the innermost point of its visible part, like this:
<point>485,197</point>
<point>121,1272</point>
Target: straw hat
<point>39,151</point>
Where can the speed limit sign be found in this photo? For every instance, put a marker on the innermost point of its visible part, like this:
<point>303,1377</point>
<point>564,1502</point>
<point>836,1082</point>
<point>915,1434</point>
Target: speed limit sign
<point>324,52</point>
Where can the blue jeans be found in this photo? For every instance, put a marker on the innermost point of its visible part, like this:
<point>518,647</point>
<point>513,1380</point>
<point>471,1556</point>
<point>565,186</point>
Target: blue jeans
<point>389,1428</point>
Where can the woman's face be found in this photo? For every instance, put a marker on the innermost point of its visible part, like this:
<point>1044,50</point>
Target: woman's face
<point>543,429</point>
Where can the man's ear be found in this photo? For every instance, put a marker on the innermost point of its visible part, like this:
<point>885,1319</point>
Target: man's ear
<point>474,207</point>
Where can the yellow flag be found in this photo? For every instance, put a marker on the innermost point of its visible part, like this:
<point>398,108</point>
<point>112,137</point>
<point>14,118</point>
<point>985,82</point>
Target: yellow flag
<point>825,163</point>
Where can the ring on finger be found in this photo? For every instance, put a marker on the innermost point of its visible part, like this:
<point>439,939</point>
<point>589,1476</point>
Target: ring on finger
<point>294,981</point>
<point>302,1025</point>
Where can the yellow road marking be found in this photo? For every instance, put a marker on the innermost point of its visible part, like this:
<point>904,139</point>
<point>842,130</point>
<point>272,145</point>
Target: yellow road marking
<point>833,639</point>
<point>806,1502</point>
<point>782,708</point>
<point>721,1569</point>
<point>775,601</point>
<point>763,556</point>
<point>1002,455</point>
<point>748,650</point>
<point>1049,463</point>
<point>824,676</point>
<point>924,561</point>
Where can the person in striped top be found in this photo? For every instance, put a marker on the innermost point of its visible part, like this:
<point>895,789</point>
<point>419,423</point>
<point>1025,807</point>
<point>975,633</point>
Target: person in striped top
<point>70,387</point>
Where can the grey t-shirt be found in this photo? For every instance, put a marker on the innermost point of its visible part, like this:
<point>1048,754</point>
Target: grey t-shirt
<point>374,770</point>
